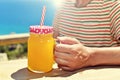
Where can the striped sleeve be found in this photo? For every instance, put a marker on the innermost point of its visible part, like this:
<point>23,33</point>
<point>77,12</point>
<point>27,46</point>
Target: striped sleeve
<point>115,20</point>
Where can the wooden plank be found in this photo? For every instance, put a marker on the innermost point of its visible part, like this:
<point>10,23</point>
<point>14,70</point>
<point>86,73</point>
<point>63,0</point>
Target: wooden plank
<point>13,38</point>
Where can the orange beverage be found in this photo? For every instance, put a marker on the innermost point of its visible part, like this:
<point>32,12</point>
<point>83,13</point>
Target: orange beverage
<point>40,49</point>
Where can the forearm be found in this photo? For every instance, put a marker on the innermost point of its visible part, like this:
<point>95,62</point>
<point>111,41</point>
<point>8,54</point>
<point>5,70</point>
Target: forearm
<point>105,56</point>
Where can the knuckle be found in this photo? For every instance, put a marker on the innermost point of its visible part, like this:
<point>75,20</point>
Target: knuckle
<point>74,50</point>
<point>56,47</point>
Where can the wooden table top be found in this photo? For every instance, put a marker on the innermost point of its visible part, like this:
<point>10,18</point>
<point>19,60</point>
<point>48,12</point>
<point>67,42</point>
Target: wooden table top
<point>17,70</point>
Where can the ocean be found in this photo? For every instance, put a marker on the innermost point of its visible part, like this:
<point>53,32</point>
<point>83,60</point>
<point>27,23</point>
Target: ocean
<point>17,15</point>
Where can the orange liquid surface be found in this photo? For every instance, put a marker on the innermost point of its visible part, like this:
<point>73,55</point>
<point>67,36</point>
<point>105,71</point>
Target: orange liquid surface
<point>40,52</point>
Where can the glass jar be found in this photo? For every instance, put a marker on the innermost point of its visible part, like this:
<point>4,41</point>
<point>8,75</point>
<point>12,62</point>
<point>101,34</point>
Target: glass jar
<point>40,49</point>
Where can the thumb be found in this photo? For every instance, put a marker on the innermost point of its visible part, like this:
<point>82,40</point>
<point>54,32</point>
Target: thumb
<point>67,40</point>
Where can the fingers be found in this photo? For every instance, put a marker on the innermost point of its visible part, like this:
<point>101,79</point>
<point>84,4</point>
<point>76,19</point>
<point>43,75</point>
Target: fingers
<point>66,68</point>
<point>66,52</point>
<point>63,48</point>
<point>61,61</point>
<point>62,58</point>
<point>65,56</point>
<point>67,40</point>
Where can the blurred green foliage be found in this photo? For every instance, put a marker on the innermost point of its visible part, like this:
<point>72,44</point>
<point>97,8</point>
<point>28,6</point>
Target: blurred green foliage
<point>15,51</point>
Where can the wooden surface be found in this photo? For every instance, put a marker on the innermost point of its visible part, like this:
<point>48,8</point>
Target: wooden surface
<point>17,70</point>
<point>13,38</point>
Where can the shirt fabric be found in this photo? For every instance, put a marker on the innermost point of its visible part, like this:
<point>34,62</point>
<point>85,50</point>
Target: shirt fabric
<point>95,25</point>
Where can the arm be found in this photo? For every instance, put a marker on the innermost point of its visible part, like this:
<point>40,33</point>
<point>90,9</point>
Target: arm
<point>105,56</point>
<point>70,54</point>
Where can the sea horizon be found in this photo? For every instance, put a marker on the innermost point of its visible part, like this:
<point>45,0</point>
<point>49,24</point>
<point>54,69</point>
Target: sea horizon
<point>17,15</point>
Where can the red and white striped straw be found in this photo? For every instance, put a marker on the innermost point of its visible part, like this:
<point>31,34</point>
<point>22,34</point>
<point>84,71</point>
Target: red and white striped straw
<point>43,16</point>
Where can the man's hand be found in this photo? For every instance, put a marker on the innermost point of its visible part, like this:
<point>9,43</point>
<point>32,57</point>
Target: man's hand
<point>70,54</point>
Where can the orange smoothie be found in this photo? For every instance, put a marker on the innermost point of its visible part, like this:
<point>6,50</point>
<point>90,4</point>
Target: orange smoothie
<point>40,49</point>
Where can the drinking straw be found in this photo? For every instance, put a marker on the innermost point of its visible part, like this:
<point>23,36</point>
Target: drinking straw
<point>43,16</point>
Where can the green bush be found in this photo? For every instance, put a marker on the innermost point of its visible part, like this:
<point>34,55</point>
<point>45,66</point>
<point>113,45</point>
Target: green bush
<point>14,51</point>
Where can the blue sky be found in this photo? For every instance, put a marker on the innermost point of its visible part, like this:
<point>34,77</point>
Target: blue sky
<point>20,14</point>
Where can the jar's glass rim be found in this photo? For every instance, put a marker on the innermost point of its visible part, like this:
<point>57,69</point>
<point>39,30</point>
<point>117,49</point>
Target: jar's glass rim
<point>41,29</point>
